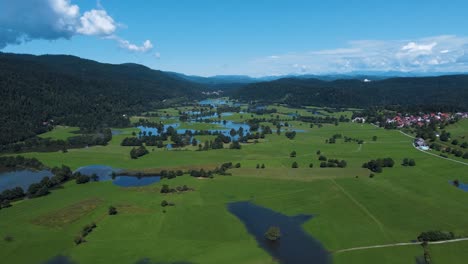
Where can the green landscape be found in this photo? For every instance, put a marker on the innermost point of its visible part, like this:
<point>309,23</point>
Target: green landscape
<point>233,132</point>
<point>352,206</point>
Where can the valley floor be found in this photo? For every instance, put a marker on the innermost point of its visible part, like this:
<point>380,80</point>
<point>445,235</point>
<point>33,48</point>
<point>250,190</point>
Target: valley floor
<point>350,209</point>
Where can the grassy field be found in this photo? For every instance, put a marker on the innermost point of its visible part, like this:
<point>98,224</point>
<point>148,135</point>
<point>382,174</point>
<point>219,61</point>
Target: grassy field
<point>61,132</point>
<point>350,208</point>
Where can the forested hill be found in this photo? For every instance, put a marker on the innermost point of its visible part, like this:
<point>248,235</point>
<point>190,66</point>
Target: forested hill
<point>450,90</point>
<point>69,90</point>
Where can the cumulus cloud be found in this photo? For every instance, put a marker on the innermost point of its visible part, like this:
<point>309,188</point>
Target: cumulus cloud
<point>96,22</point>
<point>433,54</point>
<point>22,21</point>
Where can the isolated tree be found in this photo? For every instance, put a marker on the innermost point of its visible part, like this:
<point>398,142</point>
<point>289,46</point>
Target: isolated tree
<point>112,210</point>
<point>293,154</point>
<point>412,162</point>
<point>273,233</point>
<point>294,165</point>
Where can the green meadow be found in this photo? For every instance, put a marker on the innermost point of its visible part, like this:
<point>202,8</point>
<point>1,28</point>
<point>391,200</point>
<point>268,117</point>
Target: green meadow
<point>350,208</point>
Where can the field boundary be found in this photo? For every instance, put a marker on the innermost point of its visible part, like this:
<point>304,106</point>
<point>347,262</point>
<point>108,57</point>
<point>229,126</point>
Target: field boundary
<point>363,208</point>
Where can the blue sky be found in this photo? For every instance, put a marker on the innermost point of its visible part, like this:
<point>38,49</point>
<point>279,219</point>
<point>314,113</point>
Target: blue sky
<point>253,37</point>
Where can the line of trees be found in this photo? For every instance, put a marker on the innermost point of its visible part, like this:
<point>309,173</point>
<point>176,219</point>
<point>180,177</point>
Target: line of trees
<point>20,162</point>
<point>100,137</point>
<point>42,188</point>
<point>378,164</point>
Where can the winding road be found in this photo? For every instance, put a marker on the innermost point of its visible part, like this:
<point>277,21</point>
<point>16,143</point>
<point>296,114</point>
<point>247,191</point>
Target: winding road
<point>457,161</point>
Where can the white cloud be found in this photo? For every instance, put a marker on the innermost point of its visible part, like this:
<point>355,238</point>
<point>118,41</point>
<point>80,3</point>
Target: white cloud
<point>146,46</point>
<point>413,47</point>
<point>433,54</point>
<point>22,21</point>
<point>96,22</point>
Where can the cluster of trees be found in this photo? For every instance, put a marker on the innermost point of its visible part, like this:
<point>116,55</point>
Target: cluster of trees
<point>290,134</point>
<point>349,139</point>
<point>82,179</point>
<point>333,163</point>
<point>273,233</point>
<point>20,162</point>
<point>165,203</point>
<point>112,210</point>
<point>408,162</point>
<point>87,229</point>
<point>42,188</point>
<point>435,236</point>
<point>333,139</point>
<point>378,164</point>
<point>135,153</point>
<point>323,120</point>
<point>166,189</point>
<point>260,166</point>
<point>456,152</point>
<point>99,137</point>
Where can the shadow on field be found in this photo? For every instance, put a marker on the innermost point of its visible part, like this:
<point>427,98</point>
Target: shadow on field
<point>59,259</point>
<point>420,260</point>
<point>148,261</point>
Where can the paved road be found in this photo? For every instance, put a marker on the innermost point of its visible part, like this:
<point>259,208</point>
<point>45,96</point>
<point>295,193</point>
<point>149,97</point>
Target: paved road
<point>401,244</point>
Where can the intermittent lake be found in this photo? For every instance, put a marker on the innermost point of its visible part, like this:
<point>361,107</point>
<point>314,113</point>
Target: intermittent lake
<point>294,247</point>
<point>24,178</point>
<point>21,178</point>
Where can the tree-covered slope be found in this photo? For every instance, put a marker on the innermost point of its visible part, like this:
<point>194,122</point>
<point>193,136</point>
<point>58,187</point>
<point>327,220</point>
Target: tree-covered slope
<point>451,90</point>
<point>69,90</point>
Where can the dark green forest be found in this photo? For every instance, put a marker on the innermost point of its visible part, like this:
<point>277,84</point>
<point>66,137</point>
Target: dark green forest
<point>39,91</point>
<point>444,92</point>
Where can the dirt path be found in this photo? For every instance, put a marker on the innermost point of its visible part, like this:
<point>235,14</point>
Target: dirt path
<point>435,155</point>
<point>401,244</point>
<point>363,208</point>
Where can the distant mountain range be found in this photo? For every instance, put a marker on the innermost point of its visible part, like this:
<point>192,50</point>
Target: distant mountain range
<point>448,91</point>
<point>223,80</point>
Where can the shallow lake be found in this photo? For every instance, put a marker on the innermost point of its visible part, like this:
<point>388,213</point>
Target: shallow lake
<point>461,186</point>
<point>294,247</point>
<point>21,178</point>
<point>105,174</point>
<point>133,181</point>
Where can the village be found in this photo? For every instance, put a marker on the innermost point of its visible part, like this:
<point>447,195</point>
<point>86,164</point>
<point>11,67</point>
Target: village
<point>401,120</point>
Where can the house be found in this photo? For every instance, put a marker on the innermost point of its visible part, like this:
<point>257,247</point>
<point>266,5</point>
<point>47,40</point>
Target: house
<point>421,144</point>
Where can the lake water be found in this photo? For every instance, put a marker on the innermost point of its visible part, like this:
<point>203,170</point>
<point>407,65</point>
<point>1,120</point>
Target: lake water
<point>21,178</point>
<point>132,181</point>
<point>461,186</point>
<point>105,174</point>
<point>24,178</point>
<point>294,247</point>
<point>213,102</point>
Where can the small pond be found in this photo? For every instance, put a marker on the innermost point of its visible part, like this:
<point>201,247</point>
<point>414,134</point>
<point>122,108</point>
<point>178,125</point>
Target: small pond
<point>133,181</point>
<point>461,186</point>
<point>105,174</point>
<point>21,178</point>
<point>213,102</point>
<point>294,247</point>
